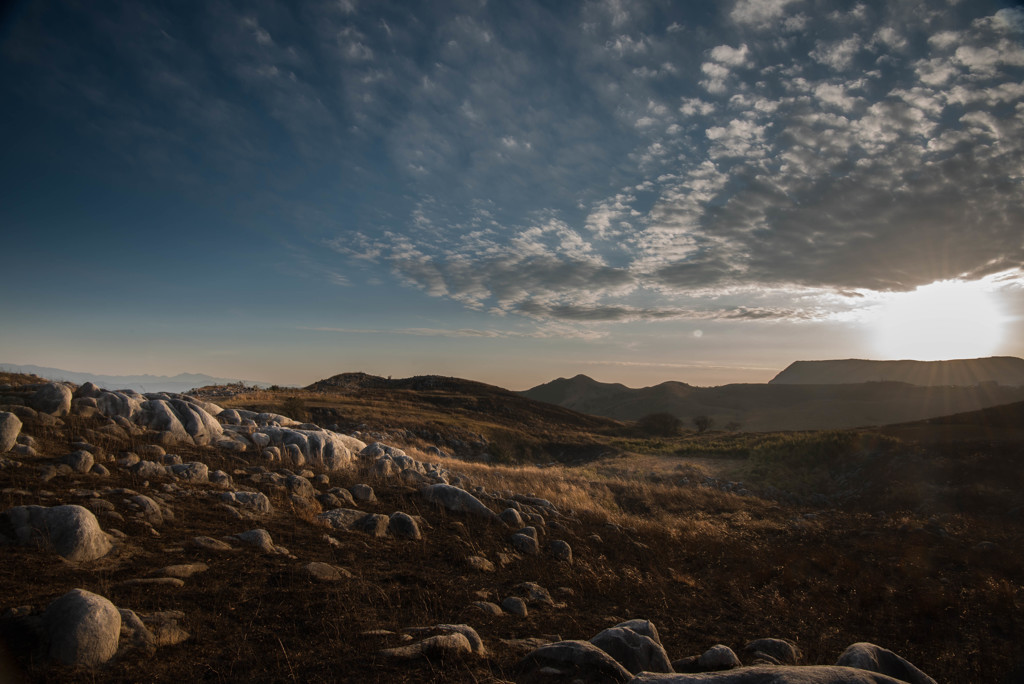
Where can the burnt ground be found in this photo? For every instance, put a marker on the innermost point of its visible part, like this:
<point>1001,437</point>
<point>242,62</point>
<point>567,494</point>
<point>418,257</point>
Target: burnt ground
<point>743,568</point>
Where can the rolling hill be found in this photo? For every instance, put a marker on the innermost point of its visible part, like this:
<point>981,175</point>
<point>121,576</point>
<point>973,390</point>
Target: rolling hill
<point>778,406</point>
<point>1003,370</point>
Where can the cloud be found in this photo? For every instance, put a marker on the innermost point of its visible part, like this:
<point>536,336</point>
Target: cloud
<point>759,13</point>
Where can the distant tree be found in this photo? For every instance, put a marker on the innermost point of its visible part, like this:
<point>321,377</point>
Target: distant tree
<point>660,425</point>
<point>703,423</point>
<point>733,426</point>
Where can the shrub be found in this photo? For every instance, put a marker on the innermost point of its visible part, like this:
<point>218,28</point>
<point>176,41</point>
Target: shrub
<point>660,425</point>
<point>295,408</point>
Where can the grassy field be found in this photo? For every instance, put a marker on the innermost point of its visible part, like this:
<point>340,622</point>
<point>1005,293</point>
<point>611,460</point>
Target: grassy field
<point>821,538</point>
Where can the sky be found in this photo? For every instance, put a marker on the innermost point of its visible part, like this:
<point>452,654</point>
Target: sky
<point>509,191</point>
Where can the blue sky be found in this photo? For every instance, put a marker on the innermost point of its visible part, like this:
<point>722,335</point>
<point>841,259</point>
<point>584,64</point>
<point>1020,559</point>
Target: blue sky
<point>511,192</point>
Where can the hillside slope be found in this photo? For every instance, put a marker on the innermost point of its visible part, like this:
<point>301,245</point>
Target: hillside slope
<point>768,407</point>
<point>1004,370</point>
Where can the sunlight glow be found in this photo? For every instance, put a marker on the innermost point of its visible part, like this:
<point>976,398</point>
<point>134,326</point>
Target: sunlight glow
<point>950,319</point>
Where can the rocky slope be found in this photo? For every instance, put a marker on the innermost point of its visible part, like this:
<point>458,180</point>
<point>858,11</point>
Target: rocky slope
<point>164,538</point>
<point>1003,370</point>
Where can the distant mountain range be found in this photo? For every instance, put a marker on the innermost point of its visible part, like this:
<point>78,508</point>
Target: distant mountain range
<point>1004,370</point>
<point>782,405</point>
<point>182,382</point>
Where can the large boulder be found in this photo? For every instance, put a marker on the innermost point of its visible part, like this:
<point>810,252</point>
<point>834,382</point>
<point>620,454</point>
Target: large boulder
<point>565,661</point>
<point>322,448</point>
<point>457,500</point>
<point>635,652</point>
<point>10,428</point>
<point>874,658</point>
<point>52,398</point>
<point>71,531</point>
<point>772,674</point>
<point>81,628</point>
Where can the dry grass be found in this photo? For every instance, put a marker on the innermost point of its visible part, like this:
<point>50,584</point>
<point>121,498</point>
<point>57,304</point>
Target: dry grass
<point>706,566</point>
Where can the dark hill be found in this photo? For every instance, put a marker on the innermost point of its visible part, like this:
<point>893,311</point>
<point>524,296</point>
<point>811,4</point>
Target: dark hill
<point>1004,370</point>
<point>768,407</point>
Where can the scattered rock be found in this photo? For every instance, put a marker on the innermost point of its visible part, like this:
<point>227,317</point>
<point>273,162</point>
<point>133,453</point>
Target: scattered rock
<point>456,500</point>
<point>577,661</point>
<point>524,544</point>
<point>442,645</point>
<point>773,674</point>
<point>373,524</point>
<point>718,657</point>
<point>362,493</point>
<point>511,517</point>
<point>561,550</point>
<point>404,526</point>
<point>326,572</point>
<point>80,461</point>
<point>874,658</point>
<point>260,539</point>
<point>211,544</point>
<point>784,652</point>
<point>184,570</point>
<point>634,651</point>
<point>150,510</point>
<point>53,399</point>
<point>82,628</point>
<point>10,428</point>
<point>173,582</point>
<point>488,607</point>
<point>480,563</point>
<point>71,531</point>
<point>515,605</point>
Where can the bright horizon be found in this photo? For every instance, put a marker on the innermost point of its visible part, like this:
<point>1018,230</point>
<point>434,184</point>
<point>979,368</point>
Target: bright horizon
<point>638,192</point>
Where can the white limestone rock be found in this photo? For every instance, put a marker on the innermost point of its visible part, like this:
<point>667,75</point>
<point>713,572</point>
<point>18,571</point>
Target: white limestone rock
<point>10,428</point>
<point>71,531</point>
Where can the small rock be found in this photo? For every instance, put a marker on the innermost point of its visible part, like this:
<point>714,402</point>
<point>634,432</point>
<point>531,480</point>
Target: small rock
<point>782,651</point>
<point>404,526</point>
<point>184,570</point>
<point>80,461</point>
<point>373,524</point>
<point>211,544</point>
<point>262,540</point>
<point>437,646</point>
<point>488,607</point>
<point>561,550</point>
<point>173,582</point>
<point>326,572</point>
<point>515,605</point>
<point>480,564</point>
<point>10,428</point>
<point>524,544</point>
<point>362,493</point>
<point>718,657</point>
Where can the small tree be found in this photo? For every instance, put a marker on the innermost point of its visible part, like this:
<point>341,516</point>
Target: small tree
<point>295,408</point>
<point>703,423</point>
<point>660,425</point>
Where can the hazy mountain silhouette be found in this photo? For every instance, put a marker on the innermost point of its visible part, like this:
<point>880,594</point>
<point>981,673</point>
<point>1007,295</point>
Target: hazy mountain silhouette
<point>777,406</point>
<point>182,382</point>
<point>1005,370</point>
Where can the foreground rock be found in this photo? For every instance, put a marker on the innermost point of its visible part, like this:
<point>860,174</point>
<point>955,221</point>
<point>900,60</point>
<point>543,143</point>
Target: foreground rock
<point>81,628</point>
<point>10,428</point>
<point>773,674</point>
<point>877,659</point>
<point>571,661</point>
<point>71,531</point>
<point>634,651</point>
